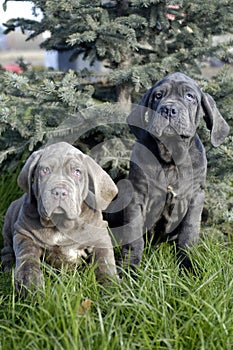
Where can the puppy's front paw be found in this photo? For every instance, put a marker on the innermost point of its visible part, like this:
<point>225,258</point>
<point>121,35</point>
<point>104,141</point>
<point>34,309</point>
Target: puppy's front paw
<point>184,261</point>
<point>28,278</point>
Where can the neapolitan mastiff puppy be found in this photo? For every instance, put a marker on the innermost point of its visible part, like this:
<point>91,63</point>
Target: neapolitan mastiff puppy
<point>60,215</point>
<point>168,166</point>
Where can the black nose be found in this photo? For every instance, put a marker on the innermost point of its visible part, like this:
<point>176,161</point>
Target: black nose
<point>59,193</point>
<point>169,111</point>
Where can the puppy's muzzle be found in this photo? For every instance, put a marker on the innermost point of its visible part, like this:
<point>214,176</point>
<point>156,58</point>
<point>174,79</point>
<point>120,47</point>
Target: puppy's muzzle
<point>168,111</point>
<point>59,193</point>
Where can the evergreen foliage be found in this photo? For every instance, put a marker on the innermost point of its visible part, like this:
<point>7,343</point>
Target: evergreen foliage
<point>32,104</point>
<point>139,40</point>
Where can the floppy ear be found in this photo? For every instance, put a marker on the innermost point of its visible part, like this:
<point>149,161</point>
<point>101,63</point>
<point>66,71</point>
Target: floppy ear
<point>104,187</point>
<point>214,120</point>
<point>26,174</point>
<point>136,119</point>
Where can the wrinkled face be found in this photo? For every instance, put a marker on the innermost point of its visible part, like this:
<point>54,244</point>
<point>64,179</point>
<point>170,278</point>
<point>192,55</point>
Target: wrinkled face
<point>173,116</point>
<point>60,186</point>
<point>174,109</point>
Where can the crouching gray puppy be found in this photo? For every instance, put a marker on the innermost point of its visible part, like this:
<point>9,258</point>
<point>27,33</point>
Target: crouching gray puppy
<point>168,166</point>
<point>59,217</point>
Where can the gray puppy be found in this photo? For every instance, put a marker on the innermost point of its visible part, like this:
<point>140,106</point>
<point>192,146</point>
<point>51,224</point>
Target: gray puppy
<point>60,215</point>
<point>168,166</point>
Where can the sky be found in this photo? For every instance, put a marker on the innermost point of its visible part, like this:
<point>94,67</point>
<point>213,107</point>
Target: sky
<point>15,9</point>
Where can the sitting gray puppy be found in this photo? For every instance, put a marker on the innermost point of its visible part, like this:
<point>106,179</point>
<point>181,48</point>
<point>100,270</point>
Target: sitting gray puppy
<point>168,167</point>
<point>60,215</point>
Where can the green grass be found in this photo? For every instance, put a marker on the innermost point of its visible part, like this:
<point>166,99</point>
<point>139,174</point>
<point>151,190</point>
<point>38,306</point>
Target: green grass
<point>162,308</point>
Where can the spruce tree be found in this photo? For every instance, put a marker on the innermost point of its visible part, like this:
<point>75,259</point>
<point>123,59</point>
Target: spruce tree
<point>139,40</point>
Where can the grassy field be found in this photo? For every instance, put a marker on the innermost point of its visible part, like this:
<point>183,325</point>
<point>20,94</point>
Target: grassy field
<point>163,308</point>
<point>34,57</point>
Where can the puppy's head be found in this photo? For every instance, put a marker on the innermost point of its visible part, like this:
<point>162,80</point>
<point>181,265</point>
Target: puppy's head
<point>59,176</point>
<point>171,110</point>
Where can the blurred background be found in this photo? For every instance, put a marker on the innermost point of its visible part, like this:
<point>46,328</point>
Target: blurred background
<point>14,45</point>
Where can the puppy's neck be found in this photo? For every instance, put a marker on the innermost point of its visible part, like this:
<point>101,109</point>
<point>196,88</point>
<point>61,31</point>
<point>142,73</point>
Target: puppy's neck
<point>163,153</point>
<point>173,150</point>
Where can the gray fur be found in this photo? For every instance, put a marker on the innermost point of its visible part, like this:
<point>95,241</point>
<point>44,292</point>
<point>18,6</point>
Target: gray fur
<point>168,166</point>
<point>58,217</point>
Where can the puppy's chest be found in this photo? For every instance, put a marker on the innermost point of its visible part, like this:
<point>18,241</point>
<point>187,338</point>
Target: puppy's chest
<point>70,255</point>
<point>172,177</point>
<point>178,183</point>
<point>171,187</point>
<point>178,191</point>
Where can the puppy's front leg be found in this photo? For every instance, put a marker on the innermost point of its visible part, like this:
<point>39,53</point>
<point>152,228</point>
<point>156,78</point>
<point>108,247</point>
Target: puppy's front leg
<point>189,228</point>
<point>106,266</point>
<point>133,241</point>
<point>132,253</point>
<point>27,270</point>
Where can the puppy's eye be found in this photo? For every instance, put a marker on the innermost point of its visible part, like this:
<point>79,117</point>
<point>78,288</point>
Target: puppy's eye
<point>158,95</point>
<point>190,97</point>
<point>77,172</point>
<point>45,171</point>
